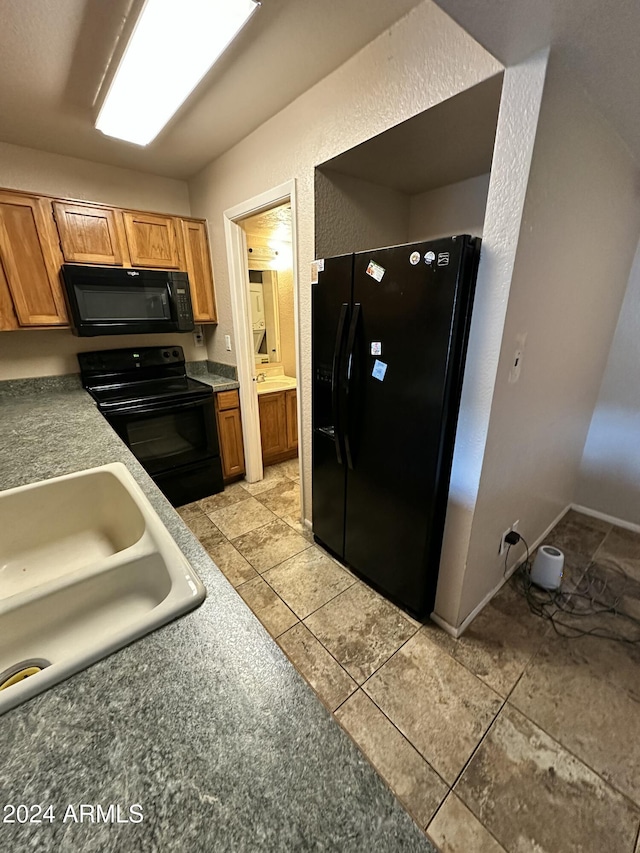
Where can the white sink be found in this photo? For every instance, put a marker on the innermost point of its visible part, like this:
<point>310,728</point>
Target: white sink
<point>86,566</point>
<point>275,383</point>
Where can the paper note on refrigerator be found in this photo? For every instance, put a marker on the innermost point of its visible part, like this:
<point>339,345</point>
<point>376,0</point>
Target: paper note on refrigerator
<point>379,370</point>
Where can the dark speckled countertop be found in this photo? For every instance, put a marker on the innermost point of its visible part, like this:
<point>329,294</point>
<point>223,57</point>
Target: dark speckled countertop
<point>204,722</point>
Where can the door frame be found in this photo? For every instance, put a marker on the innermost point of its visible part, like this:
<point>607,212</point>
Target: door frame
<point>236,245</point>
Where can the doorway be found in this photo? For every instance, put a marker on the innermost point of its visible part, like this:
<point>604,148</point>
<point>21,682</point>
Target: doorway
<point>261,249</point>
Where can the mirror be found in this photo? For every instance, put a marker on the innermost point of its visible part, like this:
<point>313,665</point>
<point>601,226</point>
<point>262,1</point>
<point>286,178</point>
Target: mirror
<point>270,265</point>
<point>265,319</point>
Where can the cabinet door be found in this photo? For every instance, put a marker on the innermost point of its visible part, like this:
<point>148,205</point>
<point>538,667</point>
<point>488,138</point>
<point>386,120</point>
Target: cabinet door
<point>198,263</point>
<point>31,260</point>
<point>273,425</point>
<point>8,319</point>
<point>231,445</point>
<point>151,240</point>
<point>292,419</point>
<point>88,235</point>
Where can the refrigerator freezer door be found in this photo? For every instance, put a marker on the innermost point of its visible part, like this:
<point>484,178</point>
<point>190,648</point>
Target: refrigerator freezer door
<point>404,377</point>
<point>331,314</point>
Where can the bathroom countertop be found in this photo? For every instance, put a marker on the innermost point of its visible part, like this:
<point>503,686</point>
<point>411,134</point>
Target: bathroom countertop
<point>203,723</point>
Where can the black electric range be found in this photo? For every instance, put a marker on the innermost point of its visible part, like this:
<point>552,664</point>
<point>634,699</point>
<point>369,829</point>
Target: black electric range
<point>165,418</point>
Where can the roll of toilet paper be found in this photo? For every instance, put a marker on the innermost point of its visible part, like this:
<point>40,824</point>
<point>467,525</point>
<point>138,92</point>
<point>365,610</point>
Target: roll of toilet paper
<point>548,567</point>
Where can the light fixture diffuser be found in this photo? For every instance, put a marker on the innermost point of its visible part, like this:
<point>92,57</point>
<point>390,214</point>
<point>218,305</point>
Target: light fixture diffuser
<point>172,47</point>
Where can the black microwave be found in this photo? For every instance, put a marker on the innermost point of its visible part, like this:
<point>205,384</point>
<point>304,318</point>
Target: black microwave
<point>109,301</point>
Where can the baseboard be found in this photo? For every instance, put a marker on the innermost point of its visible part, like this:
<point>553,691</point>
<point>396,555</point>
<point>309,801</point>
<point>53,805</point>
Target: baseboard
<point>610,519</point>
<point>306,523</point>
<point>460,629</point>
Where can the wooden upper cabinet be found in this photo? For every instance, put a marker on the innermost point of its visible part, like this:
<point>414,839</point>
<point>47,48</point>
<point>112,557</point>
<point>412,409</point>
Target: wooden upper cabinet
<point>151,239</point>
<point>198,264</point>
<point>88,235</point>
<point>31,260</point>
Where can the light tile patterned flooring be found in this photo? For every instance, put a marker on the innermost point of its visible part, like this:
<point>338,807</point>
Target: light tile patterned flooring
<point>510,739</point>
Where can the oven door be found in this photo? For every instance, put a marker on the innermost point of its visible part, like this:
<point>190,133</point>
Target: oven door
<point>166,436</point>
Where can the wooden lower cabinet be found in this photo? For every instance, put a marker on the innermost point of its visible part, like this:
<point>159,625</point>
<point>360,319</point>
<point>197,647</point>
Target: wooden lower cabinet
<point>229,423</point>
<point>278,426</point>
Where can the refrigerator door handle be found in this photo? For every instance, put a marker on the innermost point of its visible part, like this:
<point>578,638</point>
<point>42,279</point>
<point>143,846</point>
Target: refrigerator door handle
<point>335,379</point>
<point>351,340</point>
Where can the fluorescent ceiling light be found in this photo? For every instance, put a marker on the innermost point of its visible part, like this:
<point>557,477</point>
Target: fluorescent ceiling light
<point>172,47</point>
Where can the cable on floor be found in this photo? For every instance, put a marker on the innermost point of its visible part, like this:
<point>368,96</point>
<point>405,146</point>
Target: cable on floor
<point>594,595</point>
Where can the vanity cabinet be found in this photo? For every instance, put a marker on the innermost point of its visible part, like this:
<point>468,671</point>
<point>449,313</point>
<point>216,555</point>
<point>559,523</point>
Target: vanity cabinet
<point>278,426</point>
<point>30,289</point>
<point>227,404</point>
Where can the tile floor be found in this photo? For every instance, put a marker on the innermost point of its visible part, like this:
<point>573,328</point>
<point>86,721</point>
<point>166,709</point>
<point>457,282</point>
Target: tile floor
<point>510,739</point>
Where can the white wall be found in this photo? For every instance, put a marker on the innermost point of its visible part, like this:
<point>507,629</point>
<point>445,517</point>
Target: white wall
<point>453,209</point>
<point>47,353</point>
<point>610,469</point>
<point>69,177</point>
<point>422,60</point>
<point>515,135</point>
<point>579,231</point>
<point>353,215</point>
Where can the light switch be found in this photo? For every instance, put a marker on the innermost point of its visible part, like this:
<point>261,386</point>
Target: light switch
<point>227,342</point>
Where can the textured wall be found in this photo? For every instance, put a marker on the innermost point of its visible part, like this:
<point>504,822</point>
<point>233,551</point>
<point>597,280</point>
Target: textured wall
<point>610,470</point>
<point>453,209</point>
<point>352,215</point>
<point>48,353</point>
<point>70,177</point>
<point>419,62</point>
<point>579,232</point>
<point>515,135</point>
<point>53,352</point>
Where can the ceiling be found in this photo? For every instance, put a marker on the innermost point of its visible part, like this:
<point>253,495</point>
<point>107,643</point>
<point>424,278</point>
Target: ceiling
<point>596,39</point>
<point>450,142</point>
<point>274,223</point>
<point>55,54</point>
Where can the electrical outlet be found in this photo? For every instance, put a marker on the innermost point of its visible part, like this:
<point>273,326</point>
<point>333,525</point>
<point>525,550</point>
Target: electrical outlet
<point>503,545</point>
<point>198,336</point>
<point>227,342</point>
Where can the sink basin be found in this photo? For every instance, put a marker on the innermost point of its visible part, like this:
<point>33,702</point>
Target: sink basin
<point>86,566</point>
<point>276,383</point>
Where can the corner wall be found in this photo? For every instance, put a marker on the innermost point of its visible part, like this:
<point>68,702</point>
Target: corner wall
<point>420,61</point>
<point>353,215</point>
<point>579,232</point>
<point>453,209</point>
<point>610,468</point>
<point>514,144</point>
<point>53,352</point>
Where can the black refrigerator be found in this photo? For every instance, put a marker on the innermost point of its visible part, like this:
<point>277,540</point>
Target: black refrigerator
<point>390,329</point>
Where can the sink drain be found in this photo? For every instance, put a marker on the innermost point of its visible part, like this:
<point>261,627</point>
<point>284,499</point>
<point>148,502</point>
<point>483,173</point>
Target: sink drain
<point>19,671</point>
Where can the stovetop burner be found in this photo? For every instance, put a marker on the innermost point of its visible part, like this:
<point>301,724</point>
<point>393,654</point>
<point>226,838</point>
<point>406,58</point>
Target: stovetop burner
<point>132,377</point>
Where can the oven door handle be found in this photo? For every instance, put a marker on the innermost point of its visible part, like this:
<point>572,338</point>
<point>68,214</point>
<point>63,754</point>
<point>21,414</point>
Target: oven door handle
<point>157,408</point>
